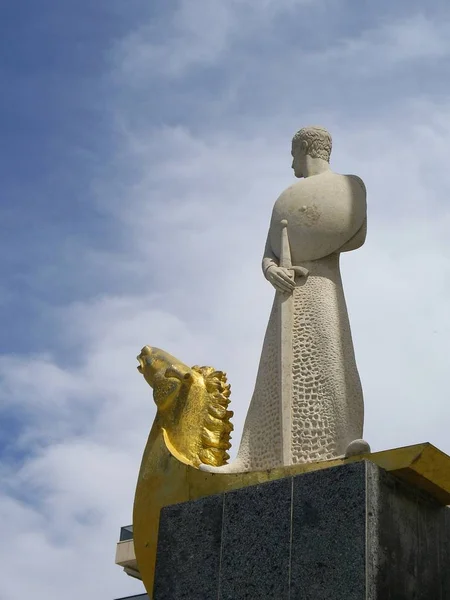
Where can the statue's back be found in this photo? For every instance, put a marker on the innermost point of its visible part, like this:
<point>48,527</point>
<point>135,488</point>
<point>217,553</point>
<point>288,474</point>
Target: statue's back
<point>323,213</point>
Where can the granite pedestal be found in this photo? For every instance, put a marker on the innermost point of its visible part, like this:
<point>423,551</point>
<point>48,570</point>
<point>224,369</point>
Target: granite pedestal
<point>352,532</point>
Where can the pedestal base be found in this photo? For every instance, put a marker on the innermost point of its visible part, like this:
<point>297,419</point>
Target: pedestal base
<point>350,532</point>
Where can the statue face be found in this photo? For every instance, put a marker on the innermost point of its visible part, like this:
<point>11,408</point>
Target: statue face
<point>299,160</point>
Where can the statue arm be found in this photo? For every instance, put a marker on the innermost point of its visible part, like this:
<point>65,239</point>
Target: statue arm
<point>269,258</point>
<point>281,278</point>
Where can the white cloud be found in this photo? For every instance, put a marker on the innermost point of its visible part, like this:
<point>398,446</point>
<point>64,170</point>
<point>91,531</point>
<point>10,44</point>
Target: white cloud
<point>197,32</point>
<point>388,44</point>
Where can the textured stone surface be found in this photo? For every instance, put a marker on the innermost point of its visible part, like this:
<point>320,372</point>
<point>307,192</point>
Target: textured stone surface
<point>328,411</point>
<point>328,534</point>
<point>256,543</point>
<point>189,549</point>
<point>260,444</point>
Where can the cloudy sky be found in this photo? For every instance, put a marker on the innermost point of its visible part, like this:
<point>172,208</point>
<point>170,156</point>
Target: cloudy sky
<point>145,142</point>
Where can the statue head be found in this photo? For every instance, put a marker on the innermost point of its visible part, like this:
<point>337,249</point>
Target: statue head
<point>314,142</point>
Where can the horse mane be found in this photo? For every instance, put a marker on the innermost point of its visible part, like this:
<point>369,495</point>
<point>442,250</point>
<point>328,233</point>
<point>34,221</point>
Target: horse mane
<point>217,427</point>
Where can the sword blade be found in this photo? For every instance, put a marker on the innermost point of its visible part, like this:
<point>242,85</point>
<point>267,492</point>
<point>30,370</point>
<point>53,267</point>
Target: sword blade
<point>285,327</point>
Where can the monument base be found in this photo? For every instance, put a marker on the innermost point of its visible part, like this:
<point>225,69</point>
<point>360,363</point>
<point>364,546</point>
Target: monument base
<point>350,532</point>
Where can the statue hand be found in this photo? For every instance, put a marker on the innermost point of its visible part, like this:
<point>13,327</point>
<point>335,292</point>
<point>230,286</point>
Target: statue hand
<point>282,279</point>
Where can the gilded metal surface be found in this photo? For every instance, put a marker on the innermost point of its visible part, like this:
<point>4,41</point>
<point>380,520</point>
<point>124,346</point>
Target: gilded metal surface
<point>169,472</point>
<point>191,407</point>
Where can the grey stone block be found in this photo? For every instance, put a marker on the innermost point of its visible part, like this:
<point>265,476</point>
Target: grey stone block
<point>189,550</point>
<point>407,546</point>
<point>328,534</point>
<point>445,561</point>
<point>350,532</point>
<point>256,543</point>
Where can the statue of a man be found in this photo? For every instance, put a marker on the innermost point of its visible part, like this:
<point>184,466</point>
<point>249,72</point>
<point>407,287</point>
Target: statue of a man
<point>307,403</point>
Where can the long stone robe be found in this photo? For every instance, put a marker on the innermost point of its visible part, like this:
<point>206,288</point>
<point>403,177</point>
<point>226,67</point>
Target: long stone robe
<point>326,215</point>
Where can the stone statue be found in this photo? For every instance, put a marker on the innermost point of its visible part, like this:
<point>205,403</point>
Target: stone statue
<point>307,403</point>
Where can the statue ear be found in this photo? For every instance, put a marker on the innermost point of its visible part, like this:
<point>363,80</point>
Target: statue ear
<point>304,146</point>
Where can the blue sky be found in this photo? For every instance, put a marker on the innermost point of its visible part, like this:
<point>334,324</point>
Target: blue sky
<point>55,117</point>
<point>144,146</point>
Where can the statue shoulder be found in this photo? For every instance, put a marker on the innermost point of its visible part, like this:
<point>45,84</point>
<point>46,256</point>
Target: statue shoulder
<point>358,181</point>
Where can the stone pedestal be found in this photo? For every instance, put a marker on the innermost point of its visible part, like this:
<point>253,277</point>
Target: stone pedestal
<point>352,532</point>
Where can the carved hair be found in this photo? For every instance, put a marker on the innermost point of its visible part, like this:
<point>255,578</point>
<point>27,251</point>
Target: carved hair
<point>318,141</point>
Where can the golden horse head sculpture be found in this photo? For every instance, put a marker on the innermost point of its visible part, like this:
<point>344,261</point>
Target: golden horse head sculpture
<point>191,407</point>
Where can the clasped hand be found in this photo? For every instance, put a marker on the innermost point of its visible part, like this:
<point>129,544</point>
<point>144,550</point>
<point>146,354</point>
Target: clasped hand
<point>283,279</point>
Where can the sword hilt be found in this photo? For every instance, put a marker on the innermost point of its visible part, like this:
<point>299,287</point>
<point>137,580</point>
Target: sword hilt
<point>285,250</point>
